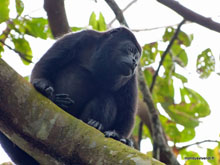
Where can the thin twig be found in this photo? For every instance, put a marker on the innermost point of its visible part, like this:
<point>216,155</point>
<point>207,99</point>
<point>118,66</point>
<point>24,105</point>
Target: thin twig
<point>164,54</point>
<point>197,143</point>
<point>22,55</point>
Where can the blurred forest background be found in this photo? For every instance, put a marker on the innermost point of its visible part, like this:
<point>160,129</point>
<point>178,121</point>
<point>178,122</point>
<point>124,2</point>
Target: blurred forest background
<point>180,62</point>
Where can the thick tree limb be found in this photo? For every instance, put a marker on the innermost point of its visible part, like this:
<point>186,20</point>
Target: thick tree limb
<point>160,144</point>
<point>191,15</point>
<point>57,17</point>
<point>51,135</point>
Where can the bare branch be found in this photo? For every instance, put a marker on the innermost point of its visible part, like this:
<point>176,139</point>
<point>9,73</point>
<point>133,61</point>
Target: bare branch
<point>197,143</point>
<point>191,15</point>
<point>118,13</point>
<point>131,3</point>
<point>164,55</point>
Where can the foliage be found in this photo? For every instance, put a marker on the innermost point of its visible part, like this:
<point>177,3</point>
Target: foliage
<point>17,28</point>
<point>99,24</point>
<point>192,106</point>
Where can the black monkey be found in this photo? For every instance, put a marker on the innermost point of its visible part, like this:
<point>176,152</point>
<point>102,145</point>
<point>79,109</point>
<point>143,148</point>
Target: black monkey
<point>92,76</point>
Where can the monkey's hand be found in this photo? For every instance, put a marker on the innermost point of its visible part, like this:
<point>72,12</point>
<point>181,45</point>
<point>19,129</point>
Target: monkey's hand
<point>46,88</point>
<point>113,134</point>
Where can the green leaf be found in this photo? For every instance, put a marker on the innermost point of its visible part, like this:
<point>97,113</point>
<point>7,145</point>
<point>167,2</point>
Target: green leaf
<point>174,134</point>
<point>205,63</point>
<point>4,10</point>
<point>37,27</point>
<point>164,91</point>
<point>149,53</point>
<point>181,77</point>
<point>186,155</point>
<point>99,24</point>
<point>182,39</point>
<point>22,46</point>
<point>75,29</point>
<point>19,6</point>
<point>169,32</point>
<point>179,54</point>
<point>213,155</point>
<point>1,49</point>
<point>92,21</point>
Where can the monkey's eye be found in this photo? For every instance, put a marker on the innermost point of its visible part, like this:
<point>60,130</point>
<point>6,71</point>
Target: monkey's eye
<point>132,50</point>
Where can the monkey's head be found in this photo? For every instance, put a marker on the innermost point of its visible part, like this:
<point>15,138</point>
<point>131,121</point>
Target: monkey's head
<point>118,53</point>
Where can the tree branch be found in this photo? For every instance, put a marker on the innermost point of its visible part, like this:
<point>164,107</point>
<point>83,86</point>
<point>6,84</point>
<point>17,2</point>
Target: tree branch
<point>131,3</point>
<point>57,17</point>
<point>51,135</point>
<point>197,143</point>
<point>118,13</point>
<point>164,54</point>
<point>191,15</point>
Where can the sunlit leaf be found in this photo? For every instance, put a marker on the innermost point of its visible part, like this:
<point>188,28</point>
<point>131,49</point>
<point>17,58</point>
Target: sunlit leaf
<point>188,157</point>
<point>37,27</point>
<point>179,55</point>
<point>182,38</point>
<point>92,21</point>
<point>75,29</point>
<point>99,24</point>
<point>19,6</point>
<point>149,53</point>
<point>22,46</point>
<point>181,77</point>
<point>205,63</point>
<point>4,10</point>
<point>213,155</point>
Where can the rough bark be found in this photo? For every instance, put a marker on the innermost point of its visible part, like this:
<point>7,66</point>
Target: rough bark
<point>51,135</point>
<point>57,17</point>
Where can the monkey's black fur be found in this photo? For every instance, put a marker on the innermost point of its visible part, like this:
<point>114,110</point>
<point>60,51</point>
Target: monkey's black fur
<point>92,76</point>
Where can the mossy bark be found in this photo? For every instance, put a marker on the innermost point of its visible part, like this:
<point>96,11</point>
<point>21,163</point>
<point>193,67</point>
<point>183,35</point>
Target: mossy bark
<point>51,135</point>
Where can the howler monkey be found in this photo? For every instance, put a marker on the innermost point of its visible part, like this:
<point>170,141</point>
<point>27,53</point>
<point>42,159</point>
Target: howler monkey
<point>92,76</point>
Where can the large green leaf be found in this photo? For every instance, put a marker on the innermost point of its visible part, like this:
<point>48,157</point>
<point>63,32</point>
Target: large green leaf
<point>183,38</point>
<point>187,113</point>
<point>4,10</point>
<point>205,63</point>
<point>174,134</point>
<point>22,46</point>
<point>163,91</point>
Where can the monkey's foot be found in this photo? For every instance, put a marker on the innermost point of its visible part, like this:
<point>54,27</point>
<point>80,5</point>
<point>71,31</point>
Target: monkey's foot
<point>113,134</point>
<point>95,124</point>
